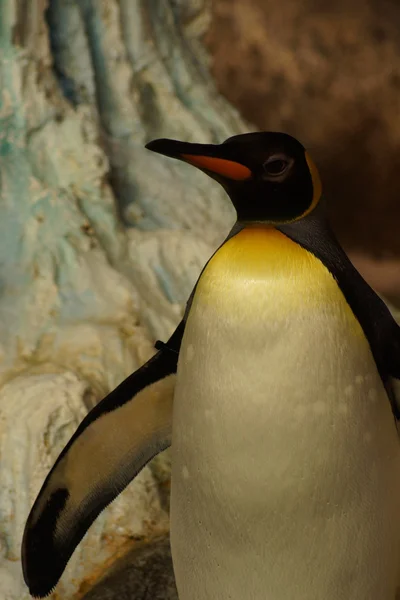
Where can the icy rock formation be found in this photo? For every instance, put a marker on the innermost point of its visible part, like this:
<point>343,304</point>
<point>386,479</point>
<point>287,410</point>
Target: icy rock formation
<point>100,241</point>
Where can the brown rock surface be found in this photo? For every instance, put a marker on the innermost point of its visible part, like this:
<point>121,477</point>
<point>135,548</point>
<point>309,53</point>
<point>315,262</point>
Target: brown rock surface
<point>328,73</point>
<point>144,574</point>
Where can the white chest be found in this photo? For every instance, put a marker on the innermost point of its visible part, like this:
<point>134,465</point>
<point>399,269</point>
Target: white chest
<point>286,463</point>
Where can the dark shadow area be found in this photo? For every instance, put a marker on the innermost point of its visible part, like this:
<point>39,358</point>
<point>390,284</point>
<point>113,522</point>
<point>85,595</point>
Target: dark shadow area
<point>145,573</point>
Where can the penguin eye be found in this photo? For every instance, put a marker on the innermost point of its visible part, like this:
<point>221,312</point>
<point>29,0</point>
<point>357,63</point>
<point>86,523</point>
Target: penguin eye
<point>276,166</point>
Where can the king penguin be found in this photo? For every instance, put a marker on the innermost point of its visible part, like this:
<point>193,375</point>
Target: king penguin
<point>279,392</point>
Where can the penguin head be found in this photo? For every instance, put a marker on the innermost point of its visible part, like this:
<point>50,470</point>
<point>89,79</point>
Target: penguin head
<point>269,177</point>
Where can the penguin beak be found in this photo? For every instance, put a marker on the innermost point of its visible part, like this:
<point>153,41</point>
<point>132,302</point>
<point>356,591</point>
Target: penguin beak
<point>207,157</point>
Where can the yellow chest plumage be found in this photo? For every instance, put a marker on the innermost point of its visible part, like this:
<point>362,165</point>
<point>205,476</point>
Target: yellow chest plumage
<point>285,458</point>
<point>261,269</point>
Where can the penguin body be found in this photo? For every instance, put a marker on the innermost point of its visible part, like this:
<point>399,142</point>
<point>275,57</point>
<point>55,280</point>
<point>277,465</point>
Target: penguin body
<point>285,451</point>
<point>285,457</point>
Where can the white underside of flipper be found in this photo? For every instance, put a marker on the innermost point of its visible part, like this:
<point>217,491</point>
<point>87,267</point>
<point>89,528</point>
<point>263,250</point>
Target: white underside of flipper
<point>285,455</point>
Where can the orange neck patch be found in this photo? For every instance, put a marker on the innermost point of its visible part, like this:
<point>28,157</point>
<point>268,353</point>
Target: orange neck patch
<point>221,166</point>
<point>316,182</point>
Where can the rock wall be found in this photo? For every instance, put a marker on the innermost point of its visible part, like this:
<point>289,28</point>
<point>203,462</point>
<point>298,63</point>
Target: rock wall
<point>100,241</point>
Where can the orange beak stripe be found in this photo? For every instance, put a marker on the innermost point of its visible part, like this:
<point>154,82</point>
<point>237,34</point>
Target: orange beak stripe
<point>221,166</point>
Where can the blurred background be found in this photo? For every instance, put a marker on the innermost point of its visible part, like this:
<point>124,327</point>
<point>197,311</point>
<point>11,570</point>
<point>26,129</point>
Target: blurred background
<point>329,74</point>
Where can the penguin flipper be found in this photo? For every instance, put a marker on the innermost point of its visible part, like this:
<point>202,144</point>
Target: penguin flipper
<point>117,438</point>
